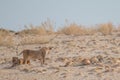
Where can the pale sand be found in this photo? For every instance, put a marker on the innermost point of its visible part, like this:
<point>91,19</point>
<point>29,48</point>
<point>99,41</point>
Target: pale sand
<point>65,60</point>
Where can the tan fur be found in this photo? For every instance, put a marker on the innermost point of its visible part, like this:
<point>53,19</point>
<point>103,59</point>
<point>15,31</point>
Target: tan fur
<point>21,61</point>
<point>94,60</point>
<point>16,61</point>
<point>70,63</point>
<point>86,62</point>
<point>35,54</point>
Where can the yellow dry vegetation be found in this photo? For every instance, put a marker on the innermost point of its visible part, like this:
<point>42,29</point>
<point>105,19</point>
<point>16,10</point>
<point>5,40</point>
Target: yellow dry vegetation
<point>42,34</point>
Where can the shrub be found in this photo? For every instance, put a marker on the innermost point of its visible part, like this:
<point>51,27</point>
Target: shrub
<point>5,38</point>
<point>44,29</point>
<point>105,28</point>
<point>72,29</point>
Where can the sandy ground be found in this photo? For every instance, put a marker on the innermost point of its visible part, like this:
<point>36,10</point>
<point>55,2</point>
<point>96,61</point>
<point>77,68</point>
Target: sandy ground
<point>66,60</point>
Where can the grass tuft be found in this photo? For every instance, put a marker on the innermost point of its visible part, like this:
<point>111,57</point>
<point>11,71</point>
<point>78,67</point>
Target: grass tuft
<point>6,39</point>
<point>105,28</point>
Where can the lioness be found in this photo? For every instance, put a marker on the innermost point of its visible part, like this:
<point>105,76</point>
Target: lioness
<point>21,61</point>
<point>35,54</point>
<point>16,61</point>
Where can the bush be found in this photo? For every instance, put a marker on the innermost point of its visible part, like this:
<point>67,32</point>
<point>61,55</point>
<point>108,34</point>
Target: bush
<point>44,29</point>
<point>72,29</point>
<point>5,38</point>
<point>106,28</point>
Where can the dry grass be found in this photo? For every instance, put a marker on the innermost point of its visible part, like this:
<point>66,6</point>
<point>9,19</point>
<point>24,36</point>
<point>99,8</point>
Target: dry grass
<point>74,29</point>
<point>45,28</point>
<point>90,30</point>
<point>40,34</point>
<point>6,39</point>
<point>105,28</point>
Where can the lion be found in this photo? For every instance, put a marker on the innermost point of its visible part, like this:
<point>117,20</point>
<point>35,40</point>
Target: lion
<point>35,54</point>
<point>21,61</point>
<point>16,61</point>
<point>86,62</point>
